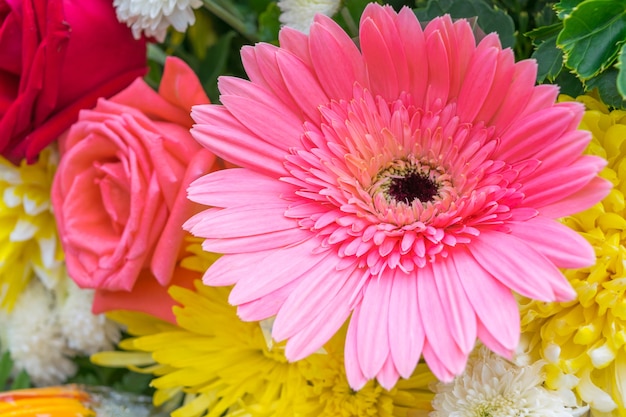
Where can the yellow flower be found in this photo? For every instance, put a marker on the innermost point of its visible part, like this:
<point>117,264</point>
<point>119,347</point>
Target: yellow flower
<point>223,362</point>
<point>328,394</point>
<point>29,242</point>
<point>224,366</point>
<point>587,337</point>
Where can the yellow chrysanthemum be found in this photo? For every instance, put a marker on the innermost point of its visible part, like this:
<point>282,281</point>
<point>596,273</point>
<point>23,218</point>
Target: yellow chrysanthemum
<point>587,337</point>
<point>224,362</point>
<point>28,238</point>
<point>328,394</point>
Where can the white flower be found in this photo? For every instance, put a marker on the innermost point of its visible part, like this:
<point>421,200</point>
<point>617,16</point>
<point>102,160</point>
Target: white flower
<point>153,17</point>
<point>299,14</point>
<point>491,386</point>
<point>47,328</point>
<point>34,337</point>
<point>85,333</point>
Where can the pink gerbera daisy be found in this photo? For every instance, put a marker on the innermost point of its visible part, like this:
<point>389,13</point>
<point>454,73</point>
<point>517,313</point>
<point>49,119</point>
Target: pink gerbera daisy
<point>410,185</point>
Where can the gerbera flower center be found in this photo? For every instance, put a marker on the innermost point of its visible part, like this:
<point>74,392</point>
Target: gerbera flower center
<point>408,181</point>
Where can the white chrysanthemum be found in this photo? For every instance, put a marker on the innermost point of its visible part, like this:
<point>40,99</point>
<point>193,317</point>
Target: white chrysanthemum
<point>299,14</point>
<point>153,17</point>
<point>33,336</point>
<point>492,386</point>
<point>85,332</point>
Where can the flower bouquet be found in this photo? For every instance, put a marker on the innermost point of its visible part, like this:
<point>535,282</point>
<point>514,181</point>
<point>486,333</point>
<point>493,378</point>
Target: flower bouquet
<point>312,208</point>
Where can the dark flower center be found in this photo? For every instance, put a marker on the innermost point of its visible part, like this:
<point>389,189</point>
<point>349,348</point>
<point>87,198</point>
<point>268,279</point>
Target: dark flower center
<point>413,186</point>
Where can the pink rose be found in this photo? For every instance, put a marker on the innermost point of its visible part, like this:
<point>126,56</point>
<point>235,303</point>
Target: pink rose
<point>119,194</point>
<point>57,57</point>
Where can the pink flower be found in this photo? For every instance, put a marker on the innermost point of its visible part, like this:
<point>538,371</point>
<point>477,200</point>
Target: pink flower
<point>119,194</point>
<point>57,57</point>
<point>409,186</point>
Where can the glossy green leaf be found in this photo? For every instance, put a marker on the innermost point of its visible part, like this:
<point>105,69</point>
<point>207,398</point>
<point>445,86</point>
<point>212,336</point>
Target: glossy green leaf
<point>621,74</point>
<point>549,60</point>
<point>592,35</point>
<point>565,7</point>
<point>606,83</point>
<point>490,19</point>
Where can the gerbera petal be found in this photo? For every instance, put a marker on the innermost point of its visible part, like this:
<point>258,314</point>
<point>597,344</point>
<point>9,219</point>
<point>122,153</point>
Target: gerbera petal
<point>314,294</point>
<point>432,314</point>
<point>406,333</point>
<point>380,42</point>
<point>460,316</point>
<point>262,69</point>
<point>302,84</point>
<point>236,187</point>
<point>337,61</point>
<point>253,107</point>
<point>373,324</point>
<point>283,265</point>
<point>558,243</point>
<point>549,187</point>
<point>227,138</point>
<point>584,198</point>
<point>436,365</point>
<point>228,270</point>
<point>329,317</point>
<point>240,221</point>
<point>494,304</point>
<point>355,375</point>
<point>521,268</point>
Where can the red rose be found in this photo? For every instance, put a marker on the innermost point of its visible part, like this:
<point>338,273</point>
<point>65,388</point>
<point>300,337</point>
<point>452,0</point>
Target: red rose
<point>57,57</point>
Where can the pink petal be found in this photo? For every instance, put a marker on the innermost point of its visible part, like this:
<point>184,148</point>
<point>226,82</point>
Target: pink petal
<point>558,243</point>
<point>460,316</point>
<point>473,95</point>
<point>262,69</point>
<point>356,379</point>
<point>432,313</point>
<point>236,187</point>
<point>322,284</point>
<point>241,221</point>
<point>268,305</point>
<point>412,38</point>
<point>546,187</point>
<point>406,334</point>
<point>255,243</point>
<point>218,131</point>
<point>254,107</point>
<point>275,270</point>
<point>521,268</point>
<point>380,42</point>
<point>436,365</point>
<point>335,57</point>
<point>295,42</point>
<point>494,304</point>
<point>517,96</point>
<point>302,84</point>
<point>586,197</point>
<point>372,333</point>
<point>229,269</point>
<point>388,375</point>
<point>327,320</point>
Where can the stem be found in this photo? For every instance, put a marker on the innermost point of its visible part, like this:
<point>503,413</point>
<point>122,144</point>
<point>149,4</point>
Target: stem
<point>229,18</point>
<point>352,26</point>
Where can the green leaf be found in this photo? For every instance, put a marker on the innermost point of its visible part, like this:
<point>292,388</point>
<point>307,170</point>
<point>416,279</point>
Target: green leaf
<point>621,74</point>
<point>592,35</point>
<point>549,60</point>
<point>489,18</point>
<point>6,365</point>
<point>21,381</point>
<point>569,84</point>
<point>545,33</point>
<point>606,83</point>
<point>565,7</point>
<point>269,25</point>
